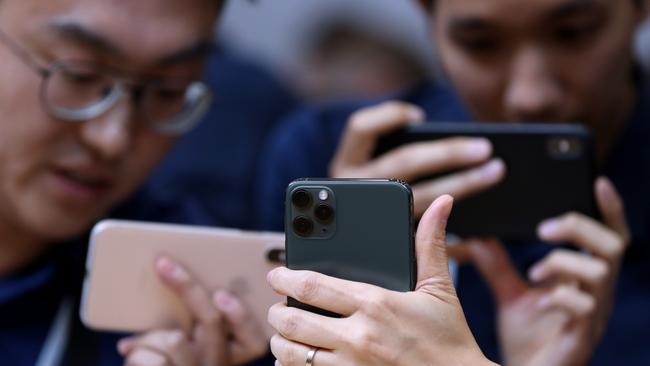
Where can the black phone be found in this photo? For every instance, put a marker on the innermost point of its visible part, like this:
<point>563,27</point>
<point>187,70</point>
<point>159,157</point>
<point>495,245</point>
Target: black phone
<point>550,170</point>
<point>354,229</point>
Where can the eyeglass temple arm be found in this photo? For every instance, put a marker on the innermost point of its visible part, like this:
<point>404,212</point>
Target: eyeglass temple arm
<point>22,54</point>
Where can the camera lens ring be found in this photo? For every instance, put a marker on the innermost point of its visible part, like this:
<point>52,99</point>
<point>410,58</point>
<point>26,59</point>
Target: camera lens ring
<point>303,226</point>
<point>324,213</point>
<point>301,199</point>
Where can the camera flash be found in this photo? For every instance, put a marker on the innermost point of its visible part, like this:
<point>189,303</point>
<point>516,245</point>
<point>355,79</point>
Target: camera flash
<point>323,195</point>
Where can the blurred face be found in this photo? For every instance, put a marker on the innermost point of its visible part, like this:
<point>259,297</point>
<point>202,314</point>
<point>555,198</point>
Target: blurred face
<point>57,177</point>
<point>540,60</point>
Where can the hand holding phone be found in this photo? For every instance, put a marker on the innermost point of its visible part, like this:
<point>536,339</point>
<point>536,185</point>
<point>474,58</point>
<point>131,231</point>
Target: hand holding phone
<point>469,157</point>
<point>550,171</point>
<point>123,293</point>
<point>359,230</point>
<point>223,331</point>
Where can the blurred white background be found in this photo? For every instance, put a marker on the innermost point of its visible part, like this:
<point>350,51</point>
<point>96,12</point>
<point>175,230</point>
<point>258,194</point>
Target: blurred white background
<point>277,32</point>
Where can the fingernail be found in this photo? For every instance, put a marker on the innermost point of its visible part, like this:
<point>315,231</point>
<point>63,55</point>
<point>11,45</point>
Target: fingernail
<point>536,274</point>
<point>416,115</point>
<point>123,345</point>
<point>479,148</point>
<point>224,300</point>
<point>548,228</point>
<point>172,270</point>
<point>493,170</point>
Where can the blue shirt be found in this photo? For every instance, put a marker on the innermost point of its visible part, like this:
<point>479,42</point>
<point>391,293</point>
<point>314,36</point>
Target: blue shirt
<point>305,143</point>
<point>217,161</point>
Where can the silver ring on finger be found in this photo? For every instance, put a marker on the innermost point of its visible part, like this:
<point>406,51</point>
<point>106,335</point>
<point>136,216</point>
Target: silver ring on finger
<point>310,357</point>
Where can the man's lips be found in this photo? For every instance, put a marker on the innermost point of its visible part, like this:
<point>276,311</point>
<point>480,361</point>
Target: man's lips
<point>79,184</point>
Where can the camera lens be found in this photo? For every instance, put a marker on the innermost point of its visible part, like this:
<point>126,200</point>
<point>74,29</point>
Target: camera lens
<point>303,226</point>
<point>301,198</point>
<point>324,213</point>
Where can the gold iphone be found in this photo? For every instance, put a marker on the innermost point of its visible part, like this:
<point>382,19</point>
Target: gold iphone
<point>123,293</point>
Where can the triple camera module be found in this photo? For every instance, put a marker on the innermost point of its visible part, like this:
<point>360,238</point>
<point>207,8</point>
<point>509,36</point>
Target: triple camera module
<point>313,212</point>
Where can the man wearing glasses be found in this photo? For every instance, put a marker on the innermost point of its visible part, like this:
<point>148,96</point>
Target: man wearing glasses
<point>92,95</point>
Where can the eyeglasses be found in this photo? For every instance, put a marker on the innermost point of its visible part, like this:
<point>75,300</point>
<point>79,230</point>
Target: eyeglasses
<point>80,91</point>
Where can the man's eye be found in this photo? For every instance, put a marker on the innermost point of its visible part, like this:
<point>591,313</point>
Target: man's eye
<point>169,94</point>
<point>577,32</point>
<point>82,79</point>
<point>478,44</point>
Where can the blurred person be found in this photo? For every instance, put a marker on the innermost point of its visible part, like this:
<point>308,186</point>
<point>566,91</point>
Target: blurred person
<point>507,60</point>
<point>348,62</point>
<point>93,94</point>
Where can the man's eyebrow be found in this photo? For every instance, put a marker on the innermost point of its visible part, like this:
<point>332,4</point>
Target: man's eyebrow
<point>196,51</point>
<point>468,23</point>
<point>575,7</point>
<point>77,33</point>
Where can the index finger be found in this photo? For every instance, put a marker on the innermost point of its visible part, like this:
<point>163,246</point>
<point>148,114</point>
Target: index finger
<point>315,289</point>
<point>366,126</point>
<point>188,289</point>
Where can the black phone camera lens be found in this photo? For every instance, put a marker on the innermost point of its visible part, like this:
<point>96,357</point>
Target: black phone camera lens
<point>301,198</point>
<point>303,226</point>
<point>324,213</point>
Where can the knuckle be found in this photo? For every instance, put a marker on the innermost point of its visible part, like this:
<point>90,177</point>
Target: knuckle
<point>395,107</point>
<point>359,120</point>
<point>618,247</point>
<point>561,292</point>
<point>289,356</point>
<point>376,304</point>
<point>363,341</point>
<point>308,288</point>
<point>175,340</point>
<point>213,318</point>
<point>590,306</point>
<point>572,220</point>
<point>601,270</point>
<point>556,258</point>
<point>288,326</point>
<point>455,148</point>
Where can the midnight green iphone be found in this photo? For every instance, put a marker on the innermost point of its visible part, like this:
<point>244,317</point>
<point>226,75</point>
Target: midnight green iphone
<point>354,229</point>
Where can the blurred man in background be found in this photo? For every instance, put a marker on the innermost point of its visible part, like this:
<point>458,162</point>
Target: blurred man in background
<point>507,60</point>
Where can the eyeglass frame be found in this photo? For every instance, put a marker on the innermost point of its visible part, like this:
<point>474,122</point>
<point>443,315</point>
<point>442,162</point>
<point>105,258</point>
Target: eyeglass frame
<point>119,88</point>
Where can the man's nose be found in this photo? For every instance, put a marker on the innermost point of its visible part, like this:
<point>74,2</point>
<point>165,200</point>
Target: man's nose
<point>533,91</point>
<point>110,135</point>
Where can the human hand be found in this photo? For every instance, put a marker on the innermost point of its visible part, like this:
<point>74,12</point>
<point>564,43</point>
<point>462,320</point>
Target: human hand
<point>560,315</point>
<point>224,333</point>
<point>379,327</point>
<point>354,157</point>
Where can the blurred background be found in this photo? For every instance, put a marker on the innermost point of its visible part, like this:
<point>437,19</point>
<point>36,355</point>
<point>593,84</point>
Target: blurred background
<point>328,49</point>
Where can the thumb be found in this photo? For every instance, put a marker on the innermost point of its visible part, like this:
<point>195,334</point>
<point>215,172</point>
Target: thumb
<point>430,242</point>
<point>493,262</point>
